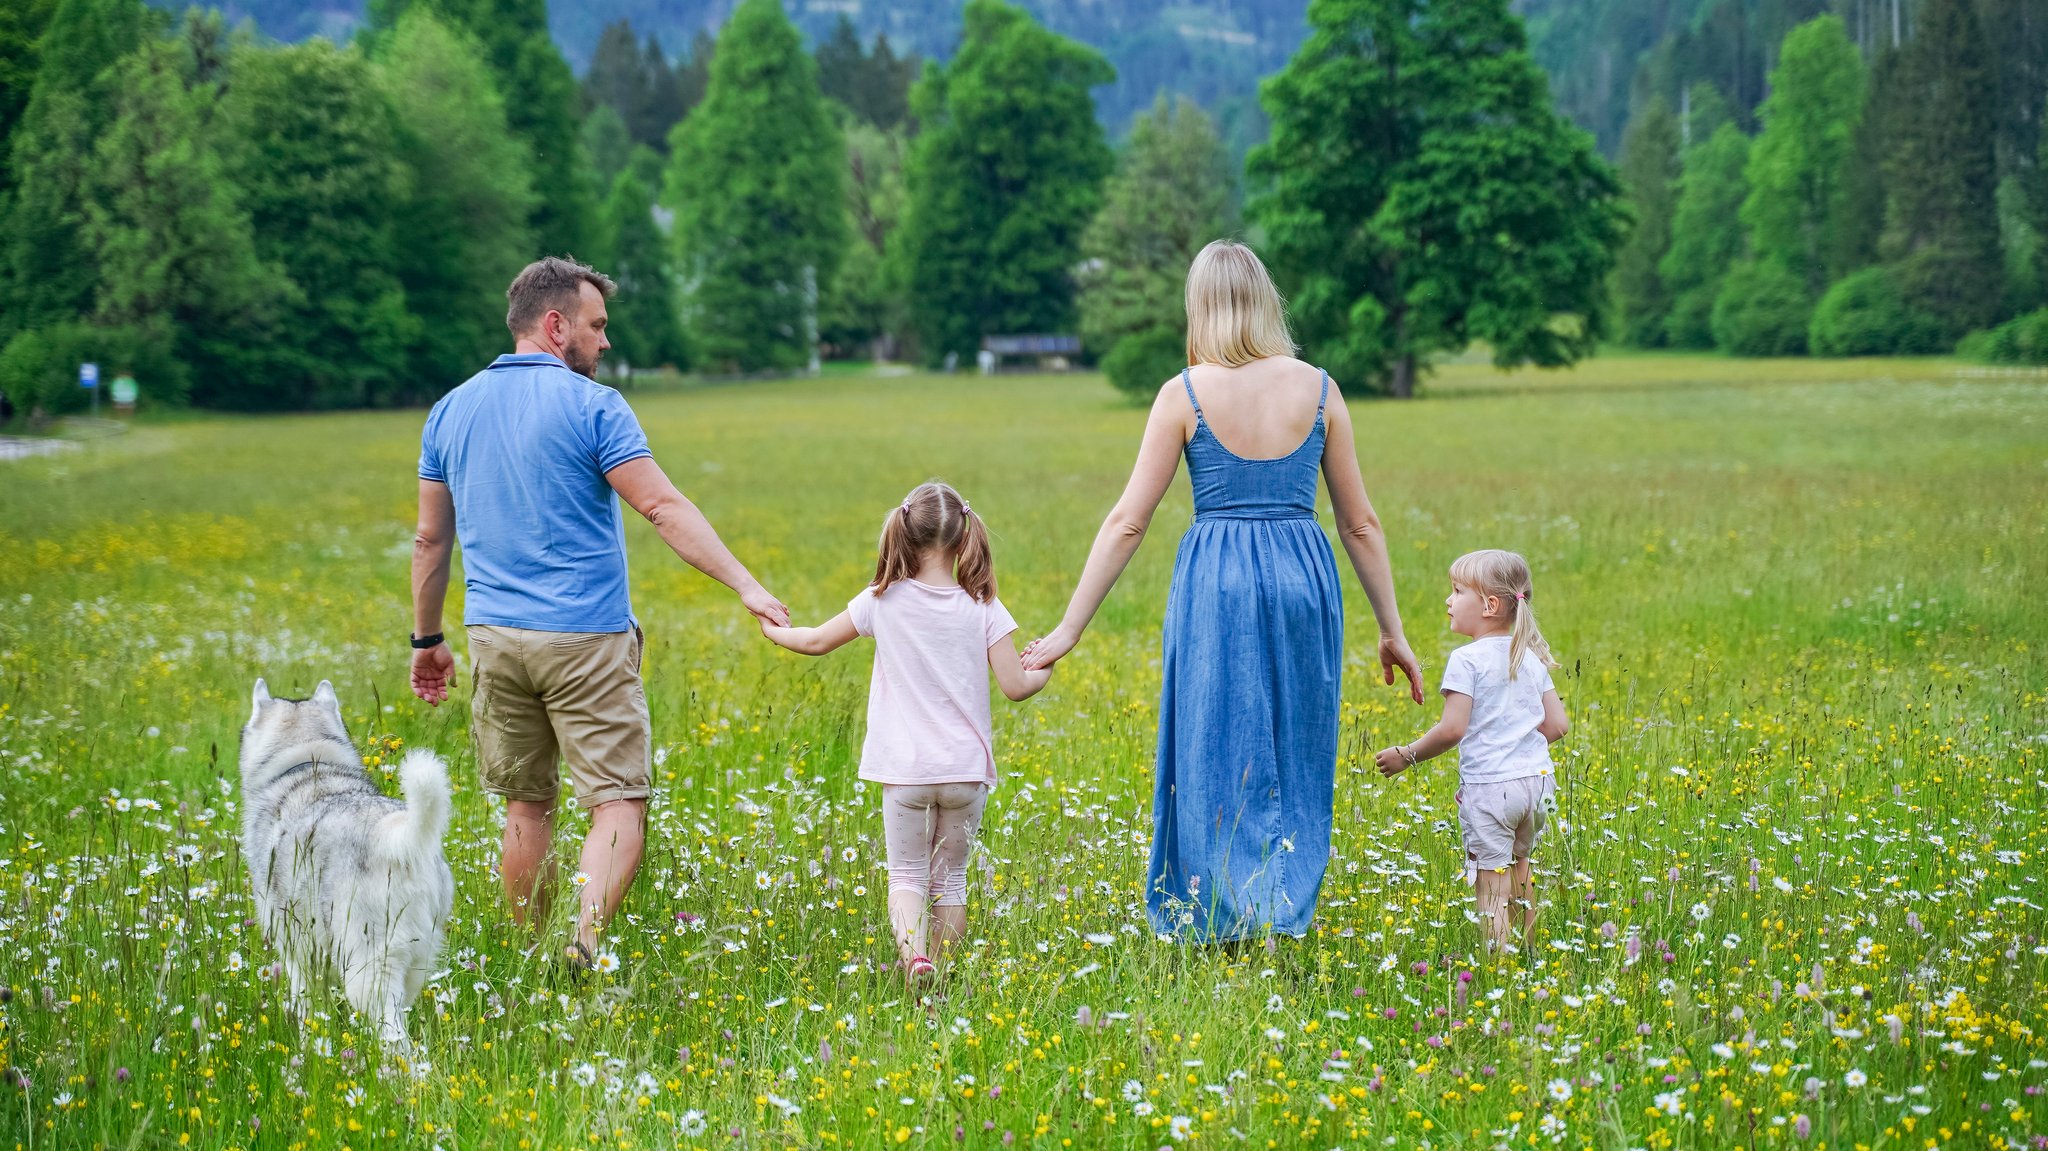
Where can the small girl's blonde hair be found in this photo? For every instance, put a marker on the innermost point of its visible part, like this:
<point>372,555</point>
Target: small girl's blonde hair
<point>934,516</point>
<point>1234,311</point>
<point>1505,575</point>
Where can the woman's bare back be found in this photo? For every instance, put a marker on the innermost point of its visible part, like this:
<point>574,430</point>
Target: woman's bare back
<point>1258,411</point>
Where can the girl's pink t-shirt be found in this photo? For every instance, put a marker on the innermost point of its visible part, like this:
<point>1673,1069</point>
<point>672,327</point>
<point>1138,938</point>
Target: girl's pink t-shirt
<point>928,718</point>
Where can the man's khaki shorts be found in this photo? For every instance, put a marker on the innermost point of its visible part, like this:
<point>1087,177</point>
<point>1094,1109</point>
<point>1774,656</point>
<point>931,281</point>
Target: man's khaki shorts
<point>1504,821</point>
<point>544,696</point>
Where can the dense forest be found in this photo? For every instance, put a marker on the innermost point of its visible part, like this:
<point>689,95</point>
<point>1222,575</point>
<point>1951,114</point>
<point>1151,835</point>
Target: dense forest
<point>251,221</point>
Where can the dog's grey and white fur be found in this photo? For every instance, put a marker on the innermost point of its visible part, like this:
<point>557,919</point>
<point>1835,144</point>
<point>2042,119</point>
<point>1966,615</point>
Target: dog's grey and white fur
<point>343,875</point>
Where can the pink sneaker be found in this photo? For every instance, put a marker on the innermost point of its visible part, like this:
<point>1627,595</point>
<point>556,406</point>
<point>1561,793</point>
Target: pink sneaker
<point>922,971</point>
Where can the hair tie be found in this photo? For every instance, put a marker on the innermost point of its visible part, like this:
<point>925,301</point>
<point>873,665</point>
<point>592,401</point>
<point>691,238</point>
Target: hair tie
<point>966,509</point>
<point>906,505</point>
<point>1520,595</point>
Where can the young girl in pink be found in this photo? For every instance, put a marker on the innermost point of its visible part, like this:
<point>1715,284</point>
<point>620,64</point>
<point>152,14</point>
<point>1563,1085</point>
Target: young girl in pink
<point>938,630</point>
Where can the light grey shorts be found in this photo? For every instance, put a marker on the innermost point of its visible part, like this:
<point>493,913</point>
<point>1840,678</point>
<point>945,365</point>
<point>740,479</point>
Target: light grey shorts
<point>1503,821</point>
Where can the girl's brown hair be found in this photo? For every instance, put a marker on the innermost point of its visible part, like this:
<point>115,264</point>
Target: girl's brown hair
<point>934,516</point>
<point>1505,576</point>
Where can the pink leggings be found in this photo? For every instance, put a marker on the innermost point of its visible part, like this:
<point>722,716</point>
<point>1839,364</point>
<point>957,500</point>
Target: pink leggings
<point>928,827</point>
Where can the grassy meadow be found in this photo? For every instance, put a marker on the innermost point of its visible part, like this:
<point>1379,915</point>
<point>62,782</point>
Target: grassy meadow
<point>1795,898</point>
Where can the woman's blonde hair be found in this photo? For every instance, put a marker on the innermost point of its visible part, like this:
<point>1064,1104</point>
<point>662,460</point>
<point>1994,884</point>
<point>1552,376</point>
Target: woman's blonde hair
<point>934,516</point>
<point>1505,575</point>
<point>1235,314</point>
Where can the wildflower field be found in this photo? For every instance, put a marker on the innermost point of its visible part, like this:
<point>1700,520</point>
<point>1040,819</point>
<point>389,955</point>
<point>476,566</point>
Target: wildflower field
<point>1794,897</point>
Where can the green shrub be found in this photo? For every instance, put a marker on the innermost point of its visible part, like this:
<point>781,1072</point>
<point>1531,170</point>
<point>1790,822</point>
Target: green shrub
<point>1691,322</point>
<point>1865,314</point>
<point>1762,310</point>
<point>39,368</point>
<point>2023,340</point>
<point>1143,360</point>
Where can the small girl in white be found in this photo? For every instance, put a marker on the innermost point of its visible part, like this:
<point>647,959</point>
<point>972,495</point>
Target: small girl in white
<point>938,630</point>
<point>1502,714</point>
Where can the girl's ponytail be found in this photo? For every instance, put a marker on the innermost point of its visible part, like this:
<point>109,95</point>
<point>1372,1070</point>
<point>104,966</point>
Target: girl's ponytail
<point>977,570</point>
<point>934,516</point>
<point>1504,575</point>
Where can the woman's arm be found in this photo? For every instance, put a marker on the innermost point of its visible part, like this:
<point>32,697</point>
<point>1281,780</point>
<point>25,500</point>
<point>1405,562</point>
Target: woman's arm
<point>1018,685</point>
<point>1555,725</point>
<point>1359,528</point>
<point>1437,740</point>
<point>1166,432</point>
<point>831,635</point>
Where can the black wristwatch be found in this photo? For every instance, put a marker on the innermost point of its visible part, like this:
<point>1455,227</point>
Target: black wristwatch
<point>423,642</point>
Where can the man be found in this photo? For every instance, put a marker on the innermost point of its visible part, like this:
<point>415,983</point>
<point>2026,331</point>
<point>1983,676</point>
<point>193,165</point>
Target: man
<point>525,464</point>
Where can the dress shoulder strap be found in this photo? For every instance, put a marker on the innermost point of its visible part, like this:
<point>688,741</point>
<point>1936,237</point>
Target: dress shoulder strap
<point>1189,384</point>
<point>1324,399</point>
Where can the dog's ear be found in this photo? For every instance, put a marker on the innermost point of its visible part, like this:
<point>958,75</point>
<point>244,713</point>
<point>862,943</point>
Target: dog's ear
<point>324,694</point>
<point>258,698</point>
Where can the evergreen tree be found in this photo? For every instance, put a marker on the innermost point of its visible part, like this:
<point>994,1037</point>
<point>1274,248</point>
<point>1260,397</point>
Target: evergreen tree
<point>607,142</point>
<point>307,139</point>
<point>1004,175</point>
<point>1649,177</point>
<point>646,324</point>
<point>755,181</point>
<point>1170,195</point>
<point>617,77</point>
<point>173,247</point>
<point>47,268</point>
<point>539,98</point>
<point>462,229</point>
<point>1706,234</point>
<point>1940,178</point>
<point>666,104</point>
<point>693,77</point>
<point>1419,193</point>
<point>21,27</point>
<point>1705,112</point>
<point>875,86</point>
<point>1797,210</point>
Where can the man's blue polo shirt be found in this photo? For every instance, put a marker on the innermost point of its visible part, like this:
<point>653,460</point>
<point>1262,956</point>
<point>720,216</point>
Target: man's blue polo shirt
<point>523,447</point>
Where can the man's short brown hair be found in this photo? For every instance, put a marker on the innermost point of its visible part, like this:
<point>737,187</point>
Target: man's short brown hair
<point>551,284</point>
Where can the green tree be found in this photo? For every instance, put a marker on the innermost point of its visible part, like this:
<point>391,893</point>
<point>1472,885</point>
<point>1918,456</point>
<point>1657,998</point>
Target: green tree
<point>865,305</point>
<point>174,247</point>
<point>1004,175</point>
<point>607,142</point>
<point>646,325</point>
<point>47,268</point>
<point>307,139</point>
<point>462,231</point>
<point>1706,233</point>
<point>1762,310</point>
<point>1650,172</point>
<point>1940,171</point>
<point>539,98</point>
<point>21,30</point>
<point>875,86</point>
<point>755,180</point>
<point>1799,191</point>
<point>618,76</point>
<point>1170,195</point>
<point>1419,193</point>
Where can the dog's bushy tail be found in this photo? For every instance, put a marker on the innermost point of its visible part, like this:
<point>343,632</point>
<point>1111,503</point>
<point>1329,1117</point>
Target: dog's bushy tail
<point>416,832</point>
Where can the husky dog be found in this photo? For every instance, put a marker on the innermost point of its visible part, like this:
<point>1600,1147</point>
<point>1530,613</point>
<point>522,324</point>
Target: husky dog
<point>344,875</point>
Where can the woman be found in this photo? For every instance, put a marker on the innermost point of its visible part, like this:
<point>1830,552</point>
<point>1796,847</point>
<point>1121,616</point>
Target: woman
<point>1254,621</point>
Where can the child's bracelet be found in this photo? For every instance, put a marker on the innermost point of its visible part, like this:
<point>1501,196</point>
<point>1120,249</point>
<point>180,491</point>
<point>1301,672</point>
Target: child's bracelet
<point>1407,755</point>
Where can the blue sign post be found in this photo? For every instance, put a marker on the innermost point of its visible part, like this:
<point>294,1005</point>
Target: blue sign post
<point>89,378</point>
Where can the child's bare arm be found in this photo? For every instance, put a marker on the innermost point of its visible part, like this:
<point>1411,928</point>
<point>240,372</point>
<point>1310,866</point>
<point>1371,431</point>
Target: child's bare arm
<point>1434,742</point>
<point>831,635</point>
<point>1555,724</point>
<point>1018,685</point>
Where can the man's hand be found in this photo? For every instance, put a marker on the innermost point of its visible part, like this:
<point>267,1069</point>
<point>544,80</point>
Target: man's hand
<point>433,673</point>
<point>1392,762</point>
<point>765,607</point>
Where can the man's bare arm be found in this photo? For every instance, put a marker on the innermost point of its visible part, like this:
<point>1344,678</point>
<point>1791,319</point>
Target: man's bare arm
<point>648,490</point>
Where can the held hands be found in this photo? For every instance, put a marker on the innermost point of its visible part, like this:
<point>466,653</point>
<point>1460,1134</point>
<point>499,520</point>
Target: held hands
<point>433,673</point>
<point>1048,649</point>
<point>1394,653</point>
<point>765,607</point>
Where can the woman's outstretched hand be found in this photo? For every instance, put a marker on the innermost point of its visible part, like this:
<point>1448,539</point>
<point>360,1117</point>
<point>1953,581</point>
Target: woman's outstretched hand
<point>1048,649</point>
<point>1394,653</point>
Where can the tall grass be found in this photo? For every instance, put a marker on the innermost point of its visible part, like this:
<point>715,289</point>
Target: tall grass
<point>1794,897</point>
